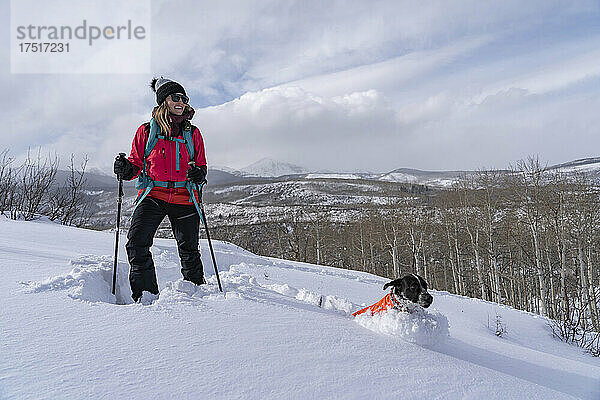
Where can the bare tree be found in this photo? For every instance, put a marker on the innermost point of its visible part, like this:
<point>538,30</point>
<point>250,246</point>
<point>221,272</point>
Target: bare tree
<point>472,224</point>
<point>8,182</point>
<point>489,182</point>
<point>530,191</point>
<point>37,177</point>
<point>318,220</point>
<point>391,229</point>
<point>68,203</point>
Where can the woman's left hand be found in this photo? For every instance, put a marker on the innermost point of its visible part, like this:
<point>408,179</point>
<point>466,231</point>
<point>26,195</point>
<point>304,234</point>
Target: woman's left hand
<point>196,174</point>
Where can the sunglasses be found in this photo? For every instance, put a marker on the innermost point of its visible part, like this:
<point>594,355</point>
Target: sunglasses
<point>177,97</point>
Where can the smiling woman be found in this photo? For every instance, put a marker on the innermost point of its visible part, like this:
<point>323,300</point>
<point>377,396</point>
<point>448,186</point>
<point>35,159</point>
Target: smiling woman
<point>168,156</point>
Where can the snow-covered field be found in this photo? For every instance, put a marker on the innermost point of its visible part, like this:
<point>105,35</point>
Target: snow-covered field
<point>282,330</point>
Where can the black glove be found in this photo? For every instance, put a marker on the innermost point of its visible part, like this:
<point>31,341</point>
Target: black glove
<point>196,174</point>
<point>124,169</point>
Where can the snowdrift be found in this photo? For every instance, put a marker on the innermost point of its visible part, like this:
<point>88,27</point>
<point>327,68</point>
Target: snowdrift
<point>420,326</point>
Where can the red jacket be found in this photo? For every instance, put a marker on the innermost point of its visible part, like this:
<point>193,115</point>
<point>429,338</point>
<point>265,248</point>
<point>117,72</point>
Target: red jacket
<point>160,164</point>
<point>382,305</point>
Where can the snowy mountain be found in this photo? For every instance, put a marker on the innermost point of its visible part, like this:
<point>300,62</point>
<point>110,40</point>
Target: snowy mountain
<point>589,166</point>
<point>268,167</point>
<point>591,163</point>
<point>282,329</point>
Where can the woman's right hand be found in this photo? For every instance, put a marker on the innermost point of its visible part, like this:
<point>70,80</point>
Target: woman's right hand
<point>123,168</point>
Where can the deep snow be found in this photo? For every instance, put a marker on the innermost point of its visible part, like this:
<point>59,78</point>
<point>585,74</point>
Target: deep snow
<point>281,330</point>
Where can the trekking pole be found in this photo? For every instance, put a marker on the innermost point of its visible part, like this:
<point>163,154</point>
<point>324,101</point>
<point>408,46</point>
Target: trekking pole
<point>119,202</point>
<point>203,215</point>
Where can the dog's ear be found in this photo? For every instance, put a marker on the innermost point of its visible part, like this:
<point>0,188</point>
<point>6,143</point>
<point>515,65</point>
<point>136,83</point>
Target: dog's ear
<point>422,281</point>
<point>395,282</point>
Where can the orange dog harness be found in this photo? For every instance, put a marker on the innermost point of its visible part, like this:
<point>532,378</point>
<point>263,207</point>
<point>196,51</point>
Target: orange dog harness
<point>389,301</point>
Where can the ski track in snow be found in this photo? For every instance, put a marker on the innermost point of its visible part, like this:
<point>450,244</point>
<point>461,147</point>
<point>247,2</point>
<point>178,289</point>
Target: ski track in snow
<point>91,280</point>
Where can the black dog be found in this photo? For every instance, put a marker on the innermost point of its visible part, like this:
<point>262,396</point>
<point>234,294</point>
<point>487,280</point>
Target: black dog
<point>413,288</point>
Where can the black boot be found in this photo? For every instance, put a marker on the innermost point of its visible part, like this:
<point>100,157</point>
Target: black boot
<point>197,280</point>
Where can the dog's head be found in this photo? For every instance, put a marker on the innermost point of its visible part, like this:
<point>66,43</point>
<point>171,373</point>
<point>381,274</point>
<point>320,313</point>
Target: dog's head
<point>411,287</point>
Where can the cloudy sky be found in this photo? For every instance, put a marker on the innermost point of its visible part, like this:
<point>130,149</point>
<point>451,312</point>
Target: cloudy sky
<point>339,85</point>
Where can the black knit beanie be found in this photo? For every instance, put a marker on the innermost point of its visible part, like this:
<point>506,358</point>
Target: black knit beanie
<point>164,87</point>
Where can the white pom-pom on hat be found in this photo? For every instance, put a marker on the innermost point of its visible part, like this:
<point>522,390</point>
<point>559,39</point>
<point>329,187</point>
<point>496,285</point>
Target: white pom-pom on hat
<point>158,82</point>
<point>164,87</point>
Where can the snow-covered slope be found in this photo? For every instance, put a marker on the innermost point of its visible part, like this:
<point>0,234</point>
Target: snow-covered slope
<point>229,170</point>
<point>589,166</point>
<point>429,178</point>
<point>281,330</point>
<point>592,163</point>
<point>267,167</point>
<point>333,176</point>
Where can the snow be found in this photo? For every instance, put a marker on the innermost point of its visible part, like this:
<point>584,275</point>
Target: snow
<point>332,176</point>
<point>282,329</point>
<point>93,192</point>
<point>408,178</point>
<point>418,327</point>
<point>229,170</point>
<point>399,177</point>
<point>267,167</point>
<point>592,167</point>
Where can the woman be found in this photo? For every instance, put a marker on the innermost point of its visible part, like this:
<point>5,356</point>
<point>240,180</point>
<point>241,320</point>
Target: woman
<point>168,178</point>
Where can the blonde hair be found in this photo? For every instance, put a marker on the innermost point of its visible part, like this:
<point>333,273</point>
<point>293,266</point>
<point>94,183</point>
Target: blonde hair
<point>161,116</point>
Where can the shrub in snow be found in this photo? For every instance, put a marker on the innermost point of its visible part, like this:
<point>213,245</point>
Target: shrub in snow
<point>498,327</point>
<point>574,332</point>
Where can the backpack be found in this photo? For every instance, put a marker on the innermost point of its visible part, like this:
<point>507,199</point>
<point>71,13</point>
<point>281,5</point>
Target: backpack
<point>145,182</point>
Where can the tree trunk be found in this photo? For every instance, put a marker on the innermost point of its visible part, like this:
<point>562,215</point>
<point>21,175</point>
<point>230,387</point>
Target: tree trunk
<point>475,244</point>
<point>593,306</point>
<point>452,264</point>
<point>540,270</point>
<point>582,281</point>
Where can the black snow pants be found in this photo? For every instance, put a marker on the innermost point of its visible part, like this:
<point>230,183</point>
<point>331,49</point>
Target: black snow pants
<point>185,222</point>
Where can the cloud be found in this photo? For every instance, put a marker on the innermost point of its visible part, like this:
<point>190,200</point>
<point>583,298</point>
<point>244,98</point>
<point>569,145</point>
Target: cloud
<point>339,85</point>
<point>392,75</point>
<point>366,131</point>
<point>74,113</point>
<point>298,126</point>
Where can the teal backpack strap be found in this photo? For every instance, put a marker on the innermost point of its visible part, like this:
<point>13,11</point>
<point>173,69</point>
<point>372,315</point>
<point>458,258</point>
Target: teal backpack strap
<point>177,153</point>
<point>153,137</point>
<point>144,181</point>
<point>189,140</point>
<point>143,195</point>
<point>190,188</point>
<point>188,132</point>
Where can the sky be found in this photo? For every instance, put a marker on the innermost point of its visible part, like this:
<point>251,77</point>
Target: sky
<point>338,85</point>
